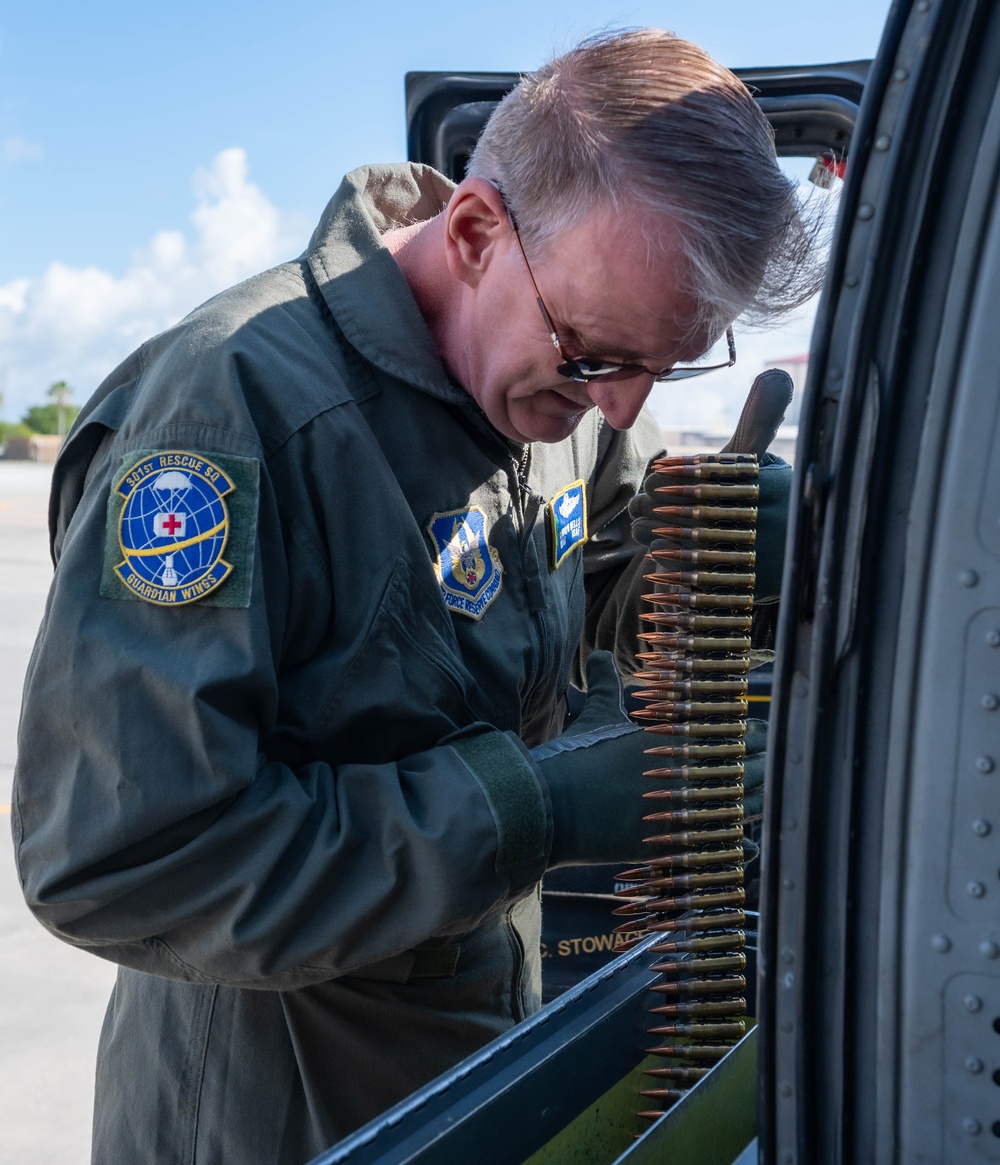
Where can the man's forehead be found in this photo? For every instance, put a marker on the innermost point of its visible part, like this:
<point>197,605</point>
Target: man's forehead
<point>617,285</point>
<point>632,318</point>
<point>612,250</point>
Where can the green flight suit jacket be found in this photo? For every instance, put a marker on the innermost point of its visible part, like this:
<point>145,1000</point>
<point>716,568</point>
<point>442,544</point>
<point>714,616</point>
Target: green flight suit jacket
<point>289,791</point>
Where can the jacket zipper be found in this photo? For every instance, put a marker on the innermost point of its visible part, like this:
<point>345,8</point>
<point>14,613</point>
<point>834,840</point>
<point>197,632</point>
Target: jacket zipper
<point>528,503</point>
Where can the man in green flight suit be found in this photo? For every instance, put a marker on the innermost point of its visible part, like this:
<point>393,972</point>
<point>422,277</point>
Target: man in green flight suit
<point>328,554</point>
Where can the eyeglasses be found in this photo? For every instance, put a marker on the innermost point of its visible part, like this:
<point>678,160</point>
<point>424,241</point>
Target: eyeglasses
<point>584,369</point>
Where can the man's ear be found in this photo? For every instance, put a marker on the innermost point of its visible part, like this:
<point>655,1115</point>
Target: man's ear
<point>475,222</point>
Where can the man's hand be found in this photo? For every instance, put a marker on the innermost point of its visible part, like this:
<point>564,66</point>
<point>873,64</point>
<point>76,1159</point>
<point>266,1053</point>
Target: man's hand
<point>763,411</point>
<point>594,773</point>
<point>753,770</point>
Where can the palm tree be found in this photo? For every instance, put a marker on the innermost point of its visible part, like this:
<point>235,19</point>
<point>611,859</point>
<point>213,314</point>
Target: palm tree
<point>60,393</point>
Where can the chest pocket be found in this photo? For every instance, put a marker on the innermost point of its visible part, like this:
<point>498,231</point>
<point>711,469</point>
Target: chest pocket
<point>406,687</point>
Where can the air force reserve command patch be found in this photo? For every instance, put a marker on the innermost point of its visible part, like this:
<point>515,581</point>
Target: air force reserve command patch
<point>568,517</point>
<point>180,525</point>
<point>467,567</point>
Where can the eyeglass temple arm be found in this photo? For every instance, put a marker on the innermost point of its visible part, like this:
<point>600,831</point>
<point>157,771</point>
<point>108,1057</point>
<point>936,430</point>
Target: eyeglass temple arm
<point>550,327</point>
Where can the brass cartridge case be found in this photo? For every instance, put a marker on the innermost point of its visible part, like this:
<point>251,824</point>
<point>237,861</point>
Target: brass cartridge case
<point>709,459</point>
<point>700,602</point>
<point>730,471</point>
<point>707,578</point>
<point>732,812</point>
<point>678,902</point>
<point>741,558</point>
<point>735,748</point>
<point>667,681</point>
<point>734,897</point>
<point>712,535</point>
<point>708,965</point>
<point>734,729</point>
<point>707,515</point>
<point>721,491</point>
<point>674,642</point>
<point>731,984</point>
<point>687,665</point>
<point>724,940</point>
<point>688,1075</point>
<point>695,1007</point>
<point>725,876</point>
<point>683,861</point>
<point>694,793</point>
<point>684,837</point>
<point>708,1031</point>
<point>689,621</point>
<point>721,918</point>
<point>678,708</point>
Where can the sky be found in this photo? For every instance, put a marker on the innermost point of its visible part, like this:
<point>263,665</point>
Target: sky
<point>153,154</point>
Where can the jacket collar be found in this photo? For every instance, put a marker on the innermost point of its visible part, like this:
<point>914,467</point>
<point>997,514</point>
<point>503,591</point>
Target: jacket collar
<point>359,279</point>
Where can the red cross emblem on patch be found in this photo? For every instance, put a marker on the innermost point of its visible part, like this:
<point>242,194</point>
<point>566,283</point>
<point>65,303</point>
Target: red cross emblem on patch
<point>169,525</point>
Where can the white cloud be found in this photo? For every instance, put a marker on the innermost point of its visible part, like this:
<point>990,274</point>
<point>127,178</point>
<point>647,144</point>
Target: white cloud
<point>16,149</point>
<point>77,323</point>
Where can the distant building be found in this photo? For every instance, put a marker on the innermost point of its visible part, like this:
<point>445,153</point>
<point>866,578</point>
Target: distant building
<point>711,440</point>
<point>39,447</point>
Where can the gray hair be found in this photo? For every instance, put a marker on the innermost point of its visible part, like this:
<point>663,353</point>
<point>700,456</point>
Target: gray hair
<point>644,121</point>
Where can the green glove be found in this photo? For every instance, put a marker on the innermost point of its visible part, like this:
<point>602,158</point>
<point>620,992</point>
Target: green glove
<point>763,411</point>
<point>775,484</point>
<point>753,770</point>
<point>594,774</point>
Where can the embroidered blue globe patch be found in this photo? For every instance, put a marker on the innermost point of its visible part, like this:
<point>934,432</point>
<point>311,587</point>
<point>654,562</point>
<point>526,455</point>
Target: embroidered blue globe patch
<point>173,528</point>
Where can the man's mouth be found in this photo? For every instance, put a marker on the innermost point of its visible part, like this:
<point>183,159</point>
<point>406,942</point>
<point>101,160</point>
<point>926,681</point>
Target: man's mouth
<point>568,404</point>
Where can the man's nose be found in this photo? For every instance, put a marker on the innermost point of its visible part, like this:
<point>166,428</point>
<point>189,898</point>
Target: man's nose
<point>621,401</point>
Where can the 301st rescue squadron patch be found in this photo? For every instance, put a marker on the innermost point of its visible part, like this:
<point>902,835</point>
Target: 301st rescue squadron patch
<point>467,567</point>
<point>568,518</point>
<point>172,517</point>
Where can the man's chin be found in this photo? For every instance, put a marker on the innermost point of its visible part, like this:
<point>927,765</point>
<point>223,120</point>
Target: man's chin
<point>548,429</point>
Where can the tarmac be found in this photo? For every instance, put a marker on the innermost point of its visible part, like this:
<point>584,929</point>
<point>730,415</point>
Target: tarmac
<point>52,997</point>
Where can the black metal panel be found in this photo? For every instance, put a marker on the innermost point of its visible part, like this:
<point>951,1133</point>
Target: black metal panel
<point>430,97</point>
<point>504,1103</point>
<point>812,110</point>
<point>489,1108</point>
<point>855,1064</point>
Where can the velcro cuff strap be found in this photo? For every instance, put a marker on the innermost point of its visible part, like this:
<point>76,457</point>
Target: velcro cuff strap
<point>513,793</point>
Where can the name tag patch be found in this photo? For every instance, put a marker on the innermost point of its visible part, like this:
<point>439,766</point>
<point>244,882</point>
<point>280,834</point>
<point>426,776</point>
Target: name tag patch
<point>170,524</point>
<point>568,518</point>
<point>467,567</point>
